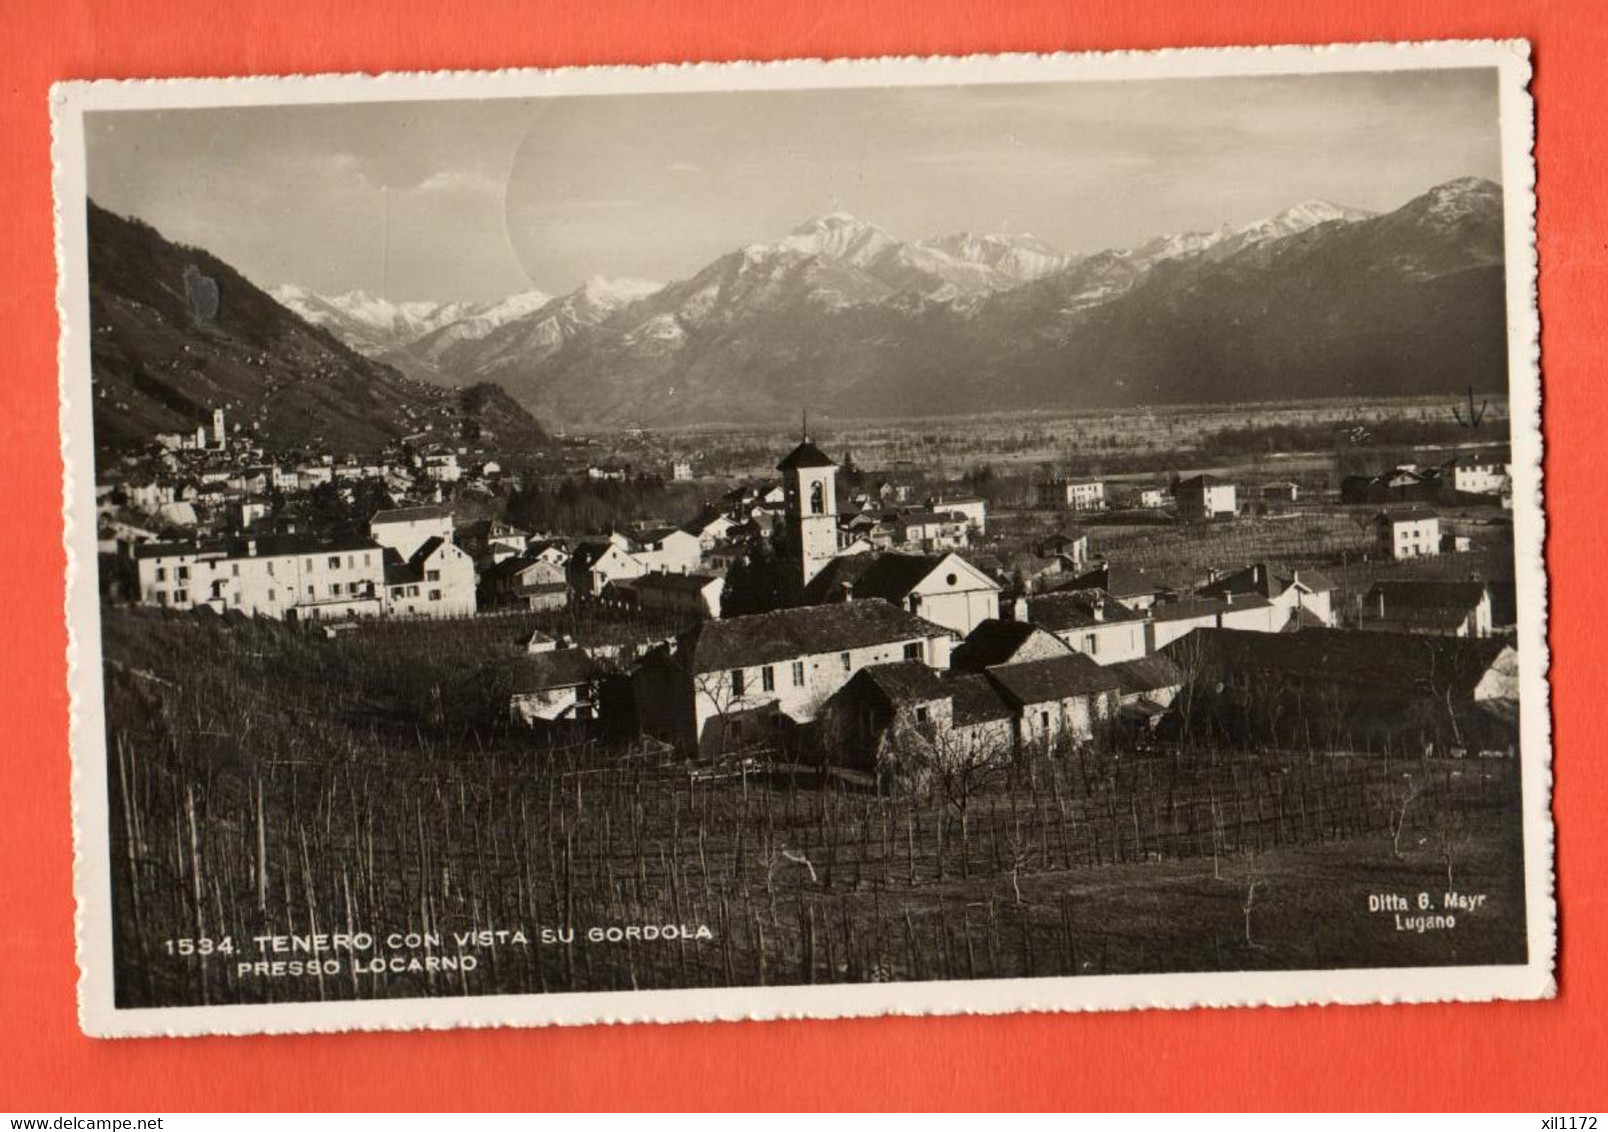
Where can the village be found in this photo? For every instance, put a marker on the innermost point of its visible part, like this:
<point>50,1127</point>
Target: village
<point>880,625</point>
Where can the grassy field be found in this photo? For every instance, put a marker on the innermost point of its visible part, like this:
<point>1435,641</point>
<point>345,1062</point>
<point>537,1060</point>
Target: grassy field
<point>269,782</point>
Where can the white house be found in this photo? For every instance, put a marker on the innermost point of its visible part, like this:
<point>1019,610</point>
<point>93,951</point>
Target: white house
<point>405,529</point>
<point>553,685</point>
<point>438,580</point>
<point>1407,532</point>
<point>1482,476</point>
<point>934,530</point>
<point>1204,497</point>
<point>593,565</point>
<point>668,550</point>
<point>974,511</point>
<point>749,680</point>
<point>678,595</point>
<point>1170,620</point>
<point>1445,608</point>
<point>1057,700</point>
<point>712,530</point>
<point>1081,495</point>
<point>442,467</point>
<point>942,588</point>
<point>1308,592</point>
<point>277,576</point>
<point>1090,622</point>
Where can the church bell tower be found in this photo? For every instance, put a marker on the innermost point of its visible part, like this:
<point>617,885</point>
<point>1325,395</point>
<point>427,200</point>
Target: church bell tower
<point>809,482</point>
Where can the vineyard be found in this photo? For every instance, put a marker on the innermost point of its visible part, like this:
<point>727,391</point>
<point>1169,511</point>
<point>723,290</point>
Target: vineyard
<point>267,781</point>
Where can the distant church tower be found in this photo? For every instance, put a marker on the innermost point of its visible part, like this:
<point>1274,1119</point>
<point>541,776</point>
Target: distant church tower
<point>219,437</point>
<point>809,481</point>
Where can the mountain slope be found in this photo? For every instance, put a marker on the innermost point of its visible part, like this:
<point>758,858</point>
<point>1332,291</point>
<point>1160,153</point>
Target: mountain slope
<point>376,327</point>
<point>1404,303</point>
<point>178,332</point>
<point>1318,300</point>
<point>517,332</point>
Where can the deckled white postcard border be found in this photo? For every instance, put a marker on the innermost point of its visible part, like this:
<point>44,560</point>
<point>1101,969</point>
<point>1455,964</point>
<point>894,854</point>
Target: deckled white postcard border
<point>92,872</point>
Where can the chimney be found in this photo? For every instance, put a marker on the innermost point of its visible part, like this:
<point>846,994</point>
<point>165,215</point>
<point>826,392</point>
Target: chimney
<point>1099,607</point>
<point>1381,605</point>
<point>1019,610</point>
<point>1228,597</point>
<point>251,547</point>
<point>1256,573</point>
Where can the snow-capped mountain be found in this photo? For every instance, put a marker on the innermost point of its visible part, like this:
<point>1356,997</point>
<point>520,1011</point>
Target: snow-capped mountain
<point>837,236</point>
<point>841,311</point>
<point>519,331</point>
<point>364,322</point>
<point>1018,258</point>
<point>1319,298</point>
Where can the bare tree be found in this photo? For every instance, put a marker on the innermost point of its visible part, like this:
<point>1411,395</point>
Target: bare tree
<point>1189,656</point>
<point>1255,879</point>
<point>1452,833</point>
<point>1401,800</point>
<point>954,764</point>
<point>1021,851</point>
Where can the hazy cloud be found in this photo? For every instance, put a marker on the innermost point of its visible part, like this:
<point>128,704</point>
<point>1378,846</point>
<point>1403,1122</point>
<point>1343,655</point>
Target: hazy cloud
<point>475,200</point>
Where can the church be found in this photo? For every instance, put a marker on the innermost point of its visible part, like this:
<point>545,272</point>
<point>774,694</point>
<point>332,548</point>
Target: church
<point>944,589</point>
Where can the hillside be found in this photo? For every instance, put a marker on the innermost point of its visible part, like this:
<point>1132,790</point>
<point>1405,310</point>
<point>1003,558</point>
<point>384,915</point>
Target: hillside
<point>178,332</point>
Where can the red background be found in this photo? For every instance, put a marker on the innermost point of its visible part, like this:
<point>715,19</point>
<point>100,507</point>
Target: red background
<point>1535,1056</point>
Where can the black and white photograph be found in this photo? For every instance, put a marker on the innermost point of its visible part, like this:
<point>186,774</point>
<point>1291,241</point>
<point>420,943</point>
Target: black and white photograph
<point>811,539</point>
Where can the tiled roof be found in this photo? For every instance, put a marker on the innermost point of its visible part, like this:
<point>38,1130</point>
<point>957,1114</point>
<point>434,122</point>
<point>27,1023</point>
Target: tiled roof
<point>1119,580</point>
<point>1189,608</point>
<point>1146,674</point>
<point>1406,514</point>
<point>410,514</point>
<point>555,668</point>
<point>994,641</point>
<point>1270,579</point>
<point>975,699</point>
<point>892,576</point>
<point>426,548</point>
<point>266,546</point>
<point>656,534</point>
<point>1059,678</point>
<point>673,583</point>
<point>806,455</point>
<point>905,681</point>
<point>1074,609</point>
<point>587,553</point>
<point>786,634</point>
<point>1423,594</point>
<point>1392,662</point>
<point>836,577</point>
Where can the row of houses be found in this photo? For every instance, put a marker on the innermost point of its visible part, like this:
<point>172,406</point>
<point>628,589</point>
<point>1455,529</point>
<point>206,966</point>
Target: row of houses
<point>407,565</point>
<point>1467,477</point>
<point>1198,498</point>
<point>869,685</point>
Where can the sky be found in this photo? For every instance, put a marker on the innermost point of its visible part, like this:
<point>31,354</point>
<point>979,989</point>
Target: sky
<point>476,200</point>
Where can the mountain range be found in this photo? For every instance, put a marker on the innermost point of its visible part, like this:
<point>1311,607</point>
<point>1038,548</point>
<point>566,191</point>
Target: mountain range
<point>176,333</point>
<point>1318,301</point>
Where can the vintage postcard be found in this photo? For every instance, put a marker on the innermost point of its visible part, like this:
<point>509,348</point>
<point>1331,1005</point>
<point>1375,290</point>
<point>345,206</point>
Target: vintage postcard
<point>806,539</point>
